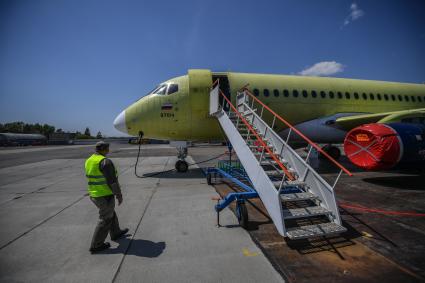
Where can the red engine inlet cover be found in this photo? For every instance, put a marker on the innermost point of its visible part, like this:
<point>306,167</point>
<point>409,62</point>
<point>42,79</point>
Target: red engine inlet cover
<point>373,147</point>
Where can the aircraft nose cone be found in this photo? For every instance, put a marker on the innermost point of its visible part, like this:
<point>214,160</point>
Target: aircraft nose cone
<point>119,123</point>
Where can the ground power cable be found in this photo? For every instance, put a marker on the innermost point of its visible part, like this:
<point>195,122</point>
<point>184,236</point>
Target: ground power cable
<point>150,175</point>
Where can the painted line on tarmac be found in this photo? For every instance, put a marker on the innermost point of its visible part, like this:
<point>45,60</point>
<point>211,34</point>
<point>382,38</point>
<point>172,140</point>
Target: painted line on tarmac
<point>48,218</point>
<point>154,190</point>
<point>42,222</point>
<point>36,175</point>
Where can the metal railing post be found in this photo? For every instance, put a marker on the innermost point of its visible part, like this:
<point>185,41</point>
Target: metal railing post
<point>287,138</point>
<point>274,120</point>
<point>309,152</point>
<point>337,179</point>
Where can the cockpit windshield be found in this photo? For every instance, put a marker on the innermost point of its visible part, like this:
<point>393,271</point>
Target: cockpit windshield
<point>163,89</point>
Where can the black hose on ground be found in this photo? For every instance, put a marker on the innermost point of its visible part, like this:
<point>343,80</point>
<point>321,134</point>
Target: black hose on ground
<point>165,171</point>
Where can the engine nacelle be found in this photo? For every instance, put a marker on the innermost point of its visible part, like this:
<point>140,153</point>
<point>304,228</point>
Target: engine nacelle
<point>384,146</point>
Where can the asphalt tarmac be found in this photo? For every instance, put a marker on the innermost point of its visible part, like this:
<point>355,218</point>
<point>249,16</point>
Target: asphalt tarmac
<point>47,221</point>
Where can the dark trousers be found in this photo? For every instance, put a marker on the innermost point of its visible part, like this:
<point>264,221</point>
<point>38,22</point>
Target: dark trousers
<point>108,220</point>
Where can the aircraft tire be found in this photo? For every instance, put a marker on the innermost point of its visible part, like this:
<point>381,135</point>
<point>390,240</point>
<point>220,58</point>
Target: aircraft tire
<point>181,166</point>
<point>209,177</point>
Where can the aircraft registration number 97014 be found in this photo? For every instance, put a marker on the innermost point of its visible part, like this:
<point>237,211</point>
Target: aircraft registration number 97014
<point>167,115</point>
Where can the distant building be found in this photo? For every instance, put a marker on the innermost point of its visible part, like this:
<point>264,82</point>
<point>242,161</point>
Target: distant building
<point>62,138</point>
<point>13,139</point>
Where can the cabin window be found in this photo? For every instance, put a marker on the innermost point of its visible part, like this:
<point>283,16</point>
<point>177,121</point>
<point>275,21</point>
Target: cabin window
<point>256,92</point>
<point>331,94</point>
<point>347,95</point>
<point>400,98</point>
<point>305,94</point>
<point>276,92</point>
<point>266,92</point>
<point>339,95</point>
<point>393,97</point>
<point>286,93</point>
<point>372,97</point>
<point>323,94</point>
<point>413,98</point>
<point>419,99</point>
<point>295,93</point>
<point>379,96</point>
<point>172,88</point>
<point>313,93</point>
<point>406,98</point>
<point>386,96</point>
<point>356,95</point>
<point>364,96</point>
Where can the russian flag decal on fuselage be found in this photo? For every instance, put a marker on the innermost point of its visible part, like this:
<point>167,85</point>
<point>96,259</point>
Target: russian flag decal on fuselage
<point>167,106</point>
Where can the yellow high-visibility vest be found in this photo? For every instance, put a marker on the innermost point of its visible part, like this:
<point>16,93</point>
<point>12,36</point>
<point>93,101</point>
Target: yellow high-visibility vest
<point>97,185</point>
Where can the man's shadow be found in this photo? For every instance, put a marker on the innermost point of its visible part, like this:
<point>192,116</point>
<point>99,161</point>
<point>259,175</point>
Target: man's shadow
<point>138,247</point>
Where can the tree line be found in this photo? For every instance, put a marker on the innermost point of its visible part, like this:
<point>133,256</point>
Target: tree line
<point>44,129</point>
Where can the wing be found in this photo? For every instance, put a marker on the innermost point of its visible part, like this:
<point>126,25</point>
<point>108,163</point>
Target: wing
<point>411,115</point>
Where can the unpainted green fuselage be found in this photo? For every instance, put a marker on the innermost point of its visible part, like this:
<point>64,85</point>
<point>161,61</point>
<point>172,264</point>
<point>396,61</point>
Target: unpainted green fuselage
<point>295,98</point>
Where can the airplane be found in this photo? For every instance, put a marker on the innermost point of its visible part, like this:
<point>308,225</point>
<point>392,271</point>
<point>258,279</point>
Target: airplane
<point>367,116</point>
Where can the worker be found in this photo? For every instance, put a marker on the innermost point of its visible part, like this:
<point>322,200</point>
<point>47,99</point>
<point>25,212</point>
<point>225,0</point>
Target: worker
<point>103,188</point>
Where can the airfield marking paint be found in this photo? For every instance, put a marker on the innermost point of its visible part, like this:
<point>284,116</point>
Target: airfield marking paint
<point>366,235</point>
<point>247,253</point>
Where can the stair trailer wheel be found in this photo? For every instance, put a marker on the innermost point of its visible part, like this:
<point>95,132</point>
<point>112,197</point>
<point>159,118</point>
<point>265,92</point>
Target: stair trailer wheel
<point>237,177</point>
<point>242,214</point>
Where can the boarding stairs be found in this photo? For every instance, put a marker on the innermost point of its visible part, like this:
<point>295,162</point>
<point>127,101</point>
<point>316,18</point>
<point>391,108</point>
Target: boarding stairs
<point>299,201</point>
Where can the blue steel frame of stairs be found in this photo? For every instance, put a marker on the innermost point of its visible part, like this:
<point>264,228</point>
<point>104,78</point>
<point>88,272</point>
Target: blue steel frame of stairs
<point>238,196</point>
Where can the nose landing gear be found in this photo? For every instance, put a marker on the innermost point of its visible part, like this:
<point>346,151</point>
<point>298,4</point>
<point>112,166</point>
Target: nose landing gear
<point>181,164</point>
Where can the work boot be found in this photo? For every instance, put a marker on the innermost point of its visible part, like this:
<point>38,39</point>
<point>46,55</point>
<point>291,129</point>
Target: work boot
<point>120,234</point>
<point>100,248</point>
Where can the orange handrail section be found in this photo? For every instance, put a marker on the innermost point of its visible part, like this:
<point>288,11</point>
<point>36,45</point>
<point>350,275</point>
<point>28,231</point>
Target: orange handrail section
<point>313,144</point>
<point>262,142</point>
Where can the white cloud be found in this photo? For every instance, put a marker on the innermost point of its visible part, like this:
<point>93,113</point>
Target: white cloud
<point>355,13</point>
<point>323,69</point>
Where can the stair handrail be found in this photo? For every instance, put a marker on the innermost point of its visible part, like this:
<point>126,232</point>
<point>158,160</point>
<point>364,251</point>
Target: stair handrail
<point>310,142</point>
<point>263,144</point>
<point>217,81</point>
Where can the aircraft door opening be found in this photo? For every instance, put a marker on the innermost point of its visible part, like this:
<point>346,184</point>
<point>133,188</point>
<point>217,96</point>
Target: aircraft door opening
<point>224,87</point>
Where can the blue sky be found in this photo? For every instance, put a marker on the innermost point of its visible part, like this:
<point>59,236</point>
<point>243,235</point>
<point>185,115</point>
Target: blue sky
<point>78,63</point>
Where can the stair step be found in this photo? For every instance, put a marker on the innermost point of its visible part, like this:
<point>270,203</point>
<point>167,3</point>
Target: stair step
<point>266,154</point>
<point>296,183</point>
<point>297,197</point>
<point>268,162</point>
<point>249,134</point>
<point>304,212</point>
<point>315,230</point>
<point>289,184</point>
